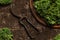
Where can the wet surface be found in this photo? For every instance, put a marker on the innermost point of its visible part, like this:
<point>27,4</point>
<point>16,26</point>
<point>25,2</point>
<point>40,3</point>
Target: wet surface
<point>21,9</point>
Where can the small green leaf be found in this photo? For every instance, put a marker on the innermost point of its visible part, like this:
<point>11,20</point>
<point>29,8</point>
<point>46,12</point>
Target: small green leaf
<point>57,37</point>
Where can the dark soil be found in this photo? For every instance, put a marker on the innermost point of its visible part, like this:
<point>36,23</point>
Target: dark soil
<point>21,9</point>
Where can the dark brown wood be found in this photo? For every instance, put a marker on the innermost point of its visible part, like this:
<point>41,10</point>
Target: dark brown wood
<point>21,9</point>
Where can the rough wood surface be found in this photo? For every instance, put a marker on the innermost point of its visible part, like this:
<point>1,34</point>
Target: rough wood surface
<point>21,8</point>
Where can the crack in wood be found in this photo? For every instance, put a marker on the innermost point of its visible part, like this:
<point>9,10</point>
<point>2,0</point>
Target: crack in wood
<point>21,22</point>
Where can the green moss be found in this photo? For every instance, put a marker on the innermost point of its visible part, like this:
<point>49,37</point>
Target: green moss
<point>5,34</point>
<point>49,10</point>
<point>5,2</point>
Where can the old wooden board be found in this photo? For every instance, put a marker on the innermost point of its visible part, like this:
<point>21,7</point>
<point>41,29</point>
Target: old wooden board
<point>21,8</point>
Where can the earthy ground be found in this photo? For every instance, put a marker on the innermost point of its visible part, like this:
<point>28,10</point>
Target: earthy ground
<point>21,8</point>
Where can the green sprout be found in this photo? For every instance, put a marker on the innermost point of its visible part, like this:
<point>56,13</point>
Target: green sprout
<point>5,2</point>
<point>5,34</point>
